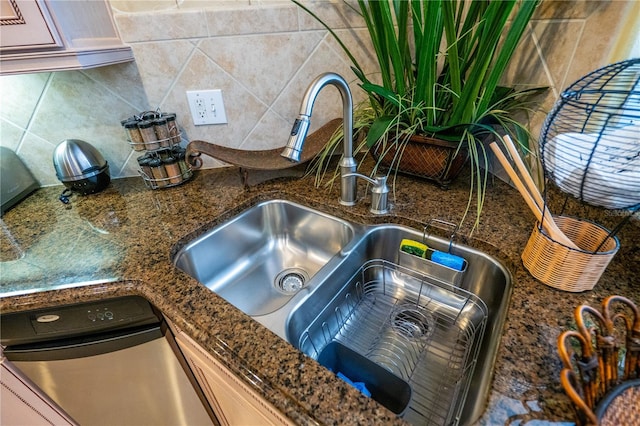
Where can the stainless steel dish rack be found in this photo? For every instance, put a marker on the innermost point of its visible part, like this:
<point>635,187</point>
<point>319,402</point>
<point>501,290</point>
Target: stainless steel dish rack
<point>421,328</point>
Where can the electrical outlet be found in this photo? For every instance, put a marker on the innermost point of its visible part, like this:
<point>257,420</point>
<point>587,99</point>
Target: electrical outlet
<point>207,107</point>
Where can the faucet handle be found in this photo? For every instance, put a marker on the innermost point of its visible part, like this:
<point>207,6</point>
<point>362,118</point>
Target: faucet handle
<point>379,192</point>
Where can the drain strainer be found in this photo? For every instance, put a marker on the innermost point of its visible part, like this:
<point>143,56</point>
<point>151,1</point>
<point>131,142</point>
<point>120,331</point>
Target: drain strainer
<point>291,280</point>
<point>412,321</point>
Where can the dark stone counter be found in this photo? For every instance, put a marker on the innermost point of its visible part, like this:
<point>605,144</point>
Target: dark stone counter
<point>120,241</point>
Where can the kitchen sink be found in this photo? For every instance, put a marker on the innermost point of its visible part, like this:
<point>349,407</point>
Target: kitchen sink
<point>436,328</point>
<point>345,295</point>
<point>263,257</point>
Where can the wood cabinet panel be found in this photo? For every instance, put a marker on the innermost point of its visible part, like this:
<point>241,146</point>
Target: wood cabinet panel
<point>234,402</point>
<point>56,35</point>
<point>27,24</point>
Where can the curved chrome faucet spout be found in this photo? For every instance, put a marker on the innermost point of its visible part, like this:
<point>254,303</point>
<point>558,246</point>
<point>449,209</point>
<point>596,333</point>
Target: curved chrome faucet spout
<point>301,127</point>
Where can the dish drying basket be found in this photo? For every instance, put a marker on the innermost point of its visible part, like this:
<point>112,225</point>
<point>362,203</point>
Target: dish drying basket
<point>565,268</point>
<point>421,328</point>
<point>589,142</point>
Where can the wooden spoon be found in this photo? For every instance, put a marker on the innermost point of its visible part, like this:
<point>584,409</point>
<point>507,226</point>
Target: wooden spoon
<point>542,214</point>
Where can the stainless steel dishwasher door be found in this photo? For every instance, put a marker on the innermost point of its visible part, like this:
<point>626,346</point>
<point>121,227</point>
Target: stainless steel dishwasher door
<point>122,377</point>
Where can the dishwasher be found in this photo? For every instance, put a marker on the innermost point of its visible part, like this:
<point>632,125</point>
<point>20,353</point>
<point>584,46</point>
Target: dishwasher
<point>110,362</point>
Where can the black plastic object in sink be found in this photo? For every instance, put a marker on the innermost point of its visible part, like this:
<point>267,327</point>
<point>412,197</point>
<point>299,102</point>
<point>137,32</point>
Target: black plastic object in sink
<point>385,387</point>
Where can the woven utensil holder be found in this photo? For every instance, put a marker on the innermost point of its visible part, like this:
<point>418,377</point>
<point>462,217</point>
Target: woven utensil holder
<point>565,268</point>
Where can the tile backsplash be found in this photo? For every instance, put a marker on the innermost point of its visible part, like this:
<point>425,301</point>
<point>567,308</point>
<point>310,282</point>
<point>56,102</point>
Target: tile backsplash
<point>262,55</point>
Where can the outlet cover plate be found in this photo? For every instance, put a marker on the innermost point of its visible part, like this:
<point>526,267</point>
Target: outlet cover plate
<point>207,107</point>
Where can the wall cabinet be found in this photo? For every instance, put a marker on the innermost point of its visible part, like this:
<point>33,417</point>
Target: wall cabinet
<point>233,401</point>
<point>56,35</point>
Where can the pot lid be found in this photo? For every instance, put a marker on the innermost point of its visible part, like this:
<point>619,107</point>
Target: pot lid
<point>75,159</point>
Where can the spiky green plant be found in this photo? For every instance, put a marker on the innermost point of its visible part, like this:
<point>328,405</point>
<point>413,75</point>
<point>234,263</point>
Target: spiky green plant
<point>451,92</point>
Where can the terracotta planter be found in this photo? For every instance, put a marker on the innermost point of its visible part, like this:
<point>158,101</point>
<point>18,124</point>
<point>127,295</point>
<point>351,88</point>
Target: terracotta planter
<point>424,157</point>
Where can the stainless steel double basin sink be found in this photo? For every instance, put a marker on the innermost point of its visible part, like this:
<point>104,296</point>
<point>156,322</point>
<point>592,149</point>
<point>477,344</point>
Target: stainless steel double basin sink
<point>344,294</point>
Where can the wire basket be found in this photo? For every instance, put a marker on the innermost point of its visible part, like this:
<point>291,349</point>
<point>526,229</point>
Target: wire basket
<point>590,141</point>
<point>565,268</point>
<point>421,329</point>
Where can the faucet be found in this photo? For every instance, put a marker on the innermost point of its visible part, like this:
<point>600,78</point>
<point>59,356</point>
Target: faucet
<point>300,128</point>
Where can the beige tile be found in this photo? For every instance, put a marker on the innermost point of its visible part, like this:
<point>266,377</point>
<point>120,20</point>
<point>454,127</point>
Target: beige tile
<point>163,25</point>
<point>128,6</point>
<point>569,9</point>
<point>211,4</point>
<point>76,107</point>
<point>598,39</point>
<point>252,20</point>
<point>558,42</point>
<point>358,42</point>
<point>628,39</point>
<point>526,66</point>
<point>263,63</point>
<point>537,120</point>
<point>159,64</point>
<point>337,15</point>
<point>19,95</point>
<point>130,167</point>
<point>10,134</point>
<point>328,104</point>
<point>269,2</point>
<point>271,132</point>
<point>124,81</point>
<point>243,110</point>
<point>37,154</point>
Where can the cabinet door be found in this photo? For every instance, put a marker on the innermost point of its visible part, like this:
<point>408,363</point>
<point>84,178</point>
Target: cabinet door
<point>23,403</point>
<point>234,402</point>
<point>58,35</point>
<point>26,24</point>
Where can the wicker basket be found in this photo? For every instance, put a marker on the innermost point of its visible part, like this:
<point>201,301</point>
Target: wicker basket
<point>565,268</point>
<point>421,156</point>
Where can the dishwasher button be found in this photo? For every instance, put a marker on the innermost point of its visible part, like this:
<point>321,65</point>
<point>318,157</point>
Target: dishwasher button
<point>108,315</point>
<point>48,318</point>
<point>92,317</point>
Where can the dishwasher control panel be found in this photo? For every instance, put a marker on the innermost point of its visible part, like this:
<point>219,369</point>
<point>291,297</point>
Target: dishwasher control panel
<point>76,320</point>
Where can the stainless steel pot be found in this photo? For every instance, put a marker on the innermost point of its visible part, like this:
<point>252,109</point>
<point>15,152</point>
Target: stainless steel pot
<point>80,166</point>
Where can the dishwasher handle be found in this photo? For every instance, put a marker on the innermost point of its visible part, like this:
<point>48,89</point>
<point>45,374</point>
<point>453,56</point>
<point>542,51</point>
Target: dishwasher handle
<point>85,346</point>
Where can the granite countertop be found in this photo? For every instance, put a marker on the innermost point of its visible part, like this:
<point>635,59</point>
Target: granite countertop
<point>120,241</point>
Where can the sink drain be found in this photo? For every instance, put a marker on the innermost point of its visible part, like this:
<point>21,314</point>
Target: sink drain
<point>291,280</point>
<point>412,322</point>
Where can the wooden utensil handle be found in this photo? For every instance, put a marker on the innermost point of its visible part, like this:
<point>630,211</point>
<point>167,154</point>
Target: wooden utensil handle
<point>544,217</point>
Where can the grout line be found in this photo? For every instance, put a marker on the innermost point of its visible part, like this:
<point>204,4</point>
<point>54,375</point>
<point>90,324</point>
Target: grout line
<point>36,108</point>
<point>573,54</point>
<point>269,107</point>
<point>124,165</point>
<point>299,70</point>
<point>235,80</point>
<point>554,86</point>
<point>205,15</point>
<point>179,73</point>
<point>108,89</point>
<point>244,87</point>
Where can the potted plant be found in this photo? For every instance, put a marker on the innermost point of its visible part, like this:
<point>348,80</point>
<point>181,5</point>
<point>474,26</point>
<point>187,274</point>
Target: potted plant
<point>437,93</point>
